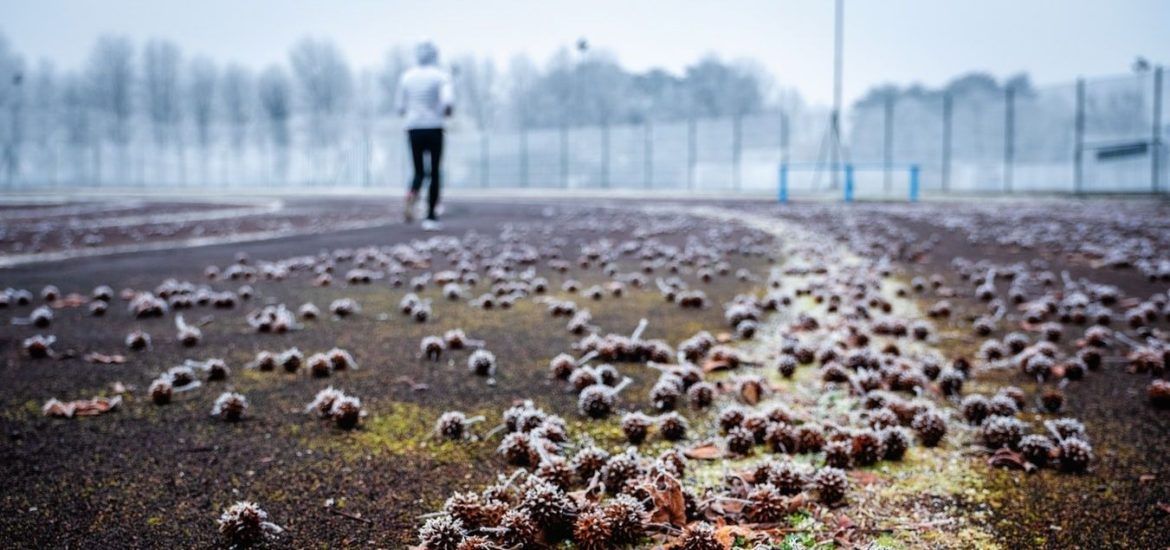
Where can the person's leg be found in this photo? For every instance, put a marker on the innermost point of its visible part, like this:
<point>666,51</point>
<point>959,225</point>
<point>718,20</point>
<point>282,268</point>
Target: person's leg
<point>436,150</point>
<point>417,146</point>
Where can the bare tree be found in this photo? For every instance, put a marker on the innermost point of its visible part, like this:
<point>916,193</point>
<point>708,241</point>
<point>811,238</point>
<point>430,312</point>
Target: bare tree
<point>475,82</point>
<point>397,61</point>
<point>79,128</point>
<point>12,109</point>
<point>44,102</point>
<point>111,76</point>
<point>239,101</point>
<point>326,89</point>
<point>275,93</point>
<point>160,79</point>
<point>201,84</point>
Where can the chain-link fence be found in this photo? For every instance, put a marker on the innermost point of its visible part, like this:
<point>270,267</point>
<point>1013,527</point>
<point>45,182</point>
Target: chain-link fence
<point>1103,135</point>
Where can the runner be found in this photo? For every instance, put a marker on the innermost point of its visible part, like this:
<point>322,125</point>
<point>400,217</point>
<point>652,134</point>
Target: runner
<point>425,99</point>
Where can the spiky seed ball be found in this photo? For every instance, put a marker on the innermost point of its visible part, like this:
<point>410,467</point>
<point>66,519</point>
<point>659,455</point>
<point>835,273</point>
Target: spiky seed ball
<point>701,394</point>
<point>562,366</point>
<point>756,424</point>
<point>476,542</point>
<point>620,468</point>
<point>137,340</point>
<point>346,412</point>
<point>512,415</point>
<point>1159,394</point>
<point>596,401</point>
<point>1002,431</point>
<point>466,507</point>
<point>786,365</point>
<point>592,531</point>
<point>830,484</point>
<point>608,374</point>
<point>1036,449</point>
<point>895,442</point>
<point>432,347</point>
<point>782,438</point>
<point>930,427</point>
<point>482,363</point>
<point>975,408</point>
<point>557,471</point>
<point>810,438</point>
<point>1052,399</point>
<point>245,523</point>
<point>1075,455</point>
<point>549,507</point>
<point>665,394</point>
<point>319,365</point>
<point>230,406</point>
<point>635,426</point>
<point>673,426</point>
<point>950,381</point>
<point>455,339</point>
<point>1069,427</point>
<point>588,461</point>
<point>216,369</point>
<point>766,504</point>
<point>264,361</point>
<point>699,536</point>
<point>441,533</point>
<point>291,359</point>
<point>740,441</point>
<point>731,417</point>
<point>452,425</point>
<point>516,449</point>
<point>627,519</point>
<point>161,391</point>
<point>1002,405</point>
<point>838,453</point>
<point>788,477</point>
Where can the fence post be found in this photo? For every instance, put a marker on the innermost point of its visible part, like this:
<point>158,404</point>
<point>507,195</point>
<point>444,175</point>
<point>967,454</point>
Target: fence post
<point>783,192</point>
<point>691,151</point>
<point>784,151</point>
<point>888,142</point>
<point>484,156</point>
<point>648,154</point>
<point>736,149</point>
<point>948,116</point>
<point>1156,138</point>
<point>564,156</point>
<point>848,183</point>
<point>524,156</point>
<point>605,153</point>
<point>1079,139</point>
<point>914,183</point>
<point>1009,136</point>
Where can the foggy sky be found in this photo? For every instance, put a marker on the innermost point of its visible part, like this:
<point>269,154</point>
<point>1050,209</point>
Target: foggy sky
<point>887,41</point>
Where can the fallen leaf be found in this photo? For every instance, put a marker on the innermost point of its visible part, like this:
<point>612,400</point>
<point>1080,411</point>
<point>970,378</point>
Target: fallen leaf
<point>669,504</point>
<point>1006,458</point>
<point>103,359</point>
<point>750,392</point>
<point>711,365</point>
<point>707,451</point>
<point>81,407</point>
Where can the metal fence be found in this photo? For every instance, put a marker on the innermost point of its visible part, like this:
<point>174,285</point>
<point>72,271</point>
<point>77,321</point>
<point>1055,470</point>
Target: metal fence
<point>1101,136</point>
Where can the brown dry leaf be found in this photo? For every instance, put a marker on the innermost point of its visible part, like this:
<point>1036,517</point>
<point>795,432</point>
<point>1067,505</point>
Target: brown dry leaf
<point>69,300</point>
<point>103,359</point>
<point>723,338</point>
<point>728,534</point>
<point>706,451</point>
<point>81,407</point>
<point>1146,478</point>
<point>750,392</point>
<point>1006,458</point>
<point>669,504</point>
<point>1163,507</point>
<point>712,365</point>
<point>865,478</point>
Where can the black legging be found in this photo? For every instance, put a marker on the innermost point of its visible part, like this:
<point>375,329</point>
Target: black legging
<point>430,141</point>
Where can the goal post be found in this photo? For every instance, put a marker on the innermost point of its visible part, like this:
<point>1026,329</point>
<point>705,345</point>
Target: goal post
<point>857,179</point>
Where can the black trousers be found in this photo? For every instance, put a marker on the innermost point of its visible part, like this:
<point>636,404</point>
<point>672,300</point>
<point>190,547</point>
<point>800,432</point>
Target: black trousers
<point>429,141</point>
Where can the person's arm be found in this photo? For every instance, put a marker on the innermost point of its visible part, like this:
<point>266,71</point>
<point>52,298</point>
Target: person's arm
<point>447,97</point>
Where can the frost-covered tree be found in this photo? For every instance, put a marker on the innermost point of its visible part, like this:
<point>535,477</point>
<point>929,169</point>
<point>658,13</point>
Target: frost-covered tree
<point>111,81</point>
<point>202,80</point>
<point>275,95</point>
<point>12,109</point>
<point>326,86</point>
<point>161,62</point>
